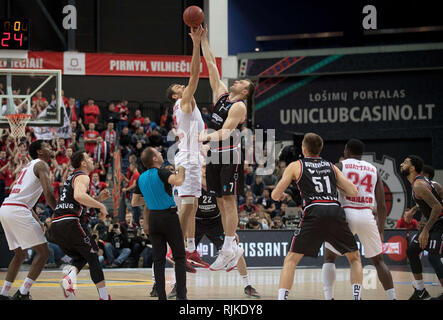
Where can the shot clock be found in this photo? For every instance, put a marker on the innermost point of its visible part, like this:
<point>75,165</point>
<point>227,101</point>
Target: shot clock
<point>14,34</point>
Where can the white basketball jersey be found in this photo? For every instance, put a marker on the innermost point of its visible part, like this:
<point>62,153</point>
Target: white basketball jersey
<point>27,188</point>
<point>189,126</point>
<point>364,176</point>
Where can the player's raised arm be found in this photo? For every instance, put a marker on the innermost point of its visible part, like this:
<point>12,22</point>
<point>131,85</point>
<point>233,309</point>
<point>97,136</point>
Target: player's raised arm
<point>218,87</point>
<point>81,184</point>
<point>236,115</point>
<point>345,185</point>
<point>41,170</point>
<point>292,172</point>
<point>188,101</point>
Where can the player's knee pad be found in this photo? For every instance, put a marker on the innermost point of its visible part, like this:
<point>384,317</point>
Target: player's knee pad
<point>95,268</point>
<point>187,200</point>
<point>413,254</point>
<point>435,261</point>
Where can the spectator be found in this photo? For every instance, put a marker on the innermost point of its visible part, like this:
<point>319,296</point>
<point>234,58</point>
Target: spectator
<point>270,181</point>
<point>131,187</point>
<point>102,152</point>
<point>73,110</point>
<point>91,113</point>
<point>258,186</point>
<point>91,139</point>
<point>249,207</point>
<point>141,137</point>
<point>243,219</point>
<point>95,235</point>
<point>77,130</point>
<point>264,217</point>
<point>117,245</point>
<point>147,127</point>
<point>131,228</point>
<point>253,222</point>
<point>125,139</point>
<point>267,202</point>
<point>406,221</point>
<point>164,117</point>
<point>137,121</point>
<point>123,111</point>
<point>110,135</point>
<point>96,186</point>
<point>249,176</point>
<point>112,115</point>
<point>39,100</point>
<point>145,244</point>
<point>156,139</point>
<point>278,223</point>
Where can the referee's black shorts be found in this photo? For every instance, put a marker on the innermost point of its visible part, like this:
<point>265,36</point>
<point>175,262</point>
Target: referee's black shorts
<point>322,223</point>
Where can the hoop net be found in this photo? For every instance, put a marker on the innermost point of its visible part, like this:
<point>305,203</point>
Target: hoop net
<point>18,122</point>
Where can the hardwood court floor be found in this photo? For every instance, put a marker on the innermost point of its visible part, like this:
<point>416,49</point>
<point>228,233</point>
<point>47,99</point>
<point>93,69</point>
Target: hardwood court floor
<point>135,284</point>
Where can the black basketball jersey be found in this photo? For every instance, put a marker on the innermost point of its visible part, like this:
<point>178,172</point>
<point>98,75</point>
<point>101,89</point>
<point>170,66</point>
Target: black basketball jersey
<point>219,115</point>
<point>317,182</point>
<point>424,207</point>
<point>66,204</point>
<point>207,206</point>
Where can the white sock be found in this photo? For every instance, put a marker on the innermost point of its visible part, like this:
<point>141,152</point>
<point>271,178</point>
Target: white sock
<point>6,288</point>
<point>328,278</point>
<point>356,291</point>
<point>245,280</point>
<point>190,244</point>
<point>103,293</point>
<point>228,243</point>
<point>391,294</point>
<point>283,294</point>
<point>26,286</point>
<point>419,284</point>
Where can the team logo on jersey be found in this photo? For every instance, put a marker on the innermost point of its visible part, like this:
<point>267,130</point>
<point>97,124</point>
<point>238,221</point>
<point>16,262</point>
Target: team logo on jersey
<point>395,192</point>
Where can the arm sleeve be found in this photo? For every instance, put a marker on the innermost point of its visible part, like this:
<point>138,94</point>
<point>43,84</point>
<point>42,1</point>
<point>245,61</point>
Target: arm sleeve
<point>164,174</point>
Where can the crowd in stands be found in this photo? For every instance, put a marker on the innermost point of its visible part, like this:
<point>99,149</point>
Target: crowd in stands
<point>101,132</point>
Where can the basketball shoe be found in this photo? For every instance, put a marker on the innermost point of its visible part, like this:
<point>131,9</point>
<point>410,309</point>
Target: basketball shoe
<point>223,259</point>
<point>194,258</point>
<point>238,253</point>
<point>67,287</point>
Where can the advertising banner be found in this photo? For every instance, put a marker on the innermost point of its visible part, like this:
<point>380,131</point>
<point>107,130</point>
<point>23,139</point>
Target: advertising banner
<point>268,248</point>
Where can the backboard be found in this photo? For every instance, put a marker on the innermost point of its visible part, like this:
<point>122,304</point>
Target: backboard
<point>34,92</point>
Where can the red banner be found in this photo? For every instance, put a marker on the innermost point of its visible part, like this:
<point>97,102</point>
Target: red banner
<point>37,60</point>
<point>77,63</point>
<point>143,65</point>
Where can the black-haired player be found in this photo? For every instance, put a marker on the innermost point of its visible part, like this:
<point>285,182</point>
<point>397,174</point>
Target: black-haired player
<point>430,237</point>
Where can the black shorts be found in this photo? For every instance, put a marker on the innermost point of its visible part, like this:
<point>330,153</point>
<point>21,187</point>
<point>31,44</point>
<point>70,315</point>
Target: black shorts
<point>435,242</point>
<point>225,179</point>
<point>212,229</point>
<point>322,223</point>
<point>72,238</point>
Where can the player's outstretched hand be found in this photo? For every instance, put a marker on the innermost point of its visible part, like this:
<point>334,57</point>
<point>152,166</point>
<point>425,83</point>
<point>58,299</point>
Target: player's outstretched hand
<point>196,34</point>
<point>103,195</point>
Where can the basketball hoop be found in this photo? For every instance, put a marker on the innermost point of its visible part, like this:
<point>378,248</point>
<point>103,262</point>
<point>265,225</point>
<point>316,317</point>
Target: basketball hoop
<point>18,122</point>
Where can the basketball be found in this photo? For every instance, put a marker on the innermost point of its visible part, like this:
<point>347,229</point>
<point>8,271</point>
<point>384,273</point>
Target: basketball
<point>193,16</point>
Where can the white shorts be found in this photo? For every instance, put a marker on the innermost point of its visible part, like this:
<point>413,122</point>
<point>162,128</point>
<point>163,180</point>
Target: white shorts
<point>363,223</point>
<point>192,185</point>
<point>21,229</point>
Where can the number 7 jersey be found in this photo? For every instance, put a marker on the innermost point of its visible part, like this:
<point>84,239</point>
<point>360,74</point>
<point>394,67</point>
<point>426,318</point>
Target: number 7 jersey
<point>317,182</point>
<point>364,176</point>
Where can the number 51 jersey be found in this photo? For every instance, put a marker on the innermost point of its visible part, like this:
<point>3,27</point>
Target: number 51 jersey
<point>317,182</point>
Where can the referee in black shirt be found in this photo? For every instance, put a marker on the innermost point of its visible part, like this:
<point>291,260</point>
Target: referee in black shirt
<point>154,186</point>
